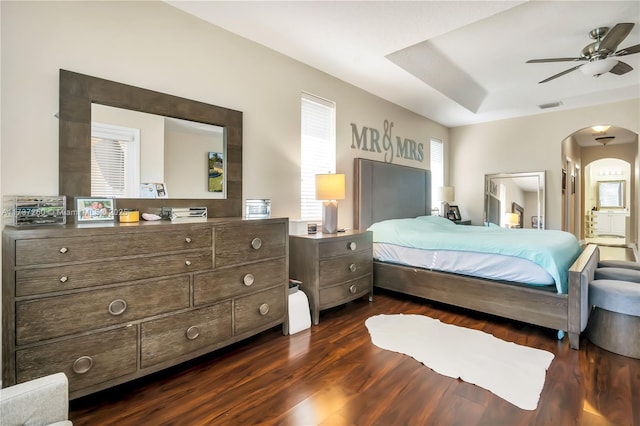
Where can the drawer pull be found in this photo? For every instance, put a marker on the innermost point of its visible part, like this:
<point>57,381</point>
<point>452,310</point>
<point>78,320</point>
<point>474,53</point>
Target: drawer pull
<point>82,364</point>
<point>352,245</point>
<point>64,279</point>
<point>63,250</point>
<point>188,240</point>
<point>353,267</point>
<point>187,262</point>
<point>256,243</point>
<point>248,279</point>
<point>264,309</point>
<point>193,332</point>
<point>117,307</point>
<point>353,289</point>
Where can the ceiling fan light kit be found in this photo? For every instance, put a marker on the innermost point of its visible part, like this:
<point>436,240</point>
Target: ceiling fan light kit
<point>599,55</point>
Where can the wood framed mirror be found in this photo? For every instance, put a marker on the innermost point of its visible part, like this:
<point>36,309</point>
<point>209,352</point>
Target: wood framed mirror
<point>77,94</point>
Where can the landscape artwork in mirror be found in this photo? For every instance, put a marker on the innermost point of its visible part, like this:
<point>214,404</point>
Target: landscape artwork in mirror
<point>216,172</point>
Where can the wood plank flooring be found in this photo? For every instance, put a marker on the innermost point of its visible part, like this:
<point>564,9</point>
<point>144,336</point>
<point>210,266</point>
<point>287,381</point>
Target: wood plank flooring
<point>332,374</point>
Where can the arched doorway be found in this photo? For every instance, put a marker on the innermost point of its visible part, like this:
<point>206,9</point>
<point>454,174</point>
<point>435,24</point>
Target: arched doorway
<point>594,155</point>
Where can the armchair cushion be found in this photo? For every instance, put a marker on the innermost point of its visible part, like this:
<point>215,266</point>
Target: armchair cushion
<point>42,401</point>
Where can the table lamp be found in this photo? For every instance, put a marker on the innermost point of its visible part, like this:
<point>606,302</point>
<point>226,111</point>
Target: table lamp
<point>511,220</point>
<point>446,195</point>
<point>330,188</point>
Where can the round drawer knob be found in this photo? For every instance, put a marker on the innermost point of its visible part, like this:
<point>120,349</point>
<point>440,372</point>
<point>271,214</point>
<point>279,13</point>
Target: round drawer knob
<point>63,250</point>
<point>256,243</point>
<point>353,289</point>
<point>248,279</point>
<point>117,307</point>
<point>352,245</point>
<point>188,240</point>
<point>82,364</point>
<point>353,267</point>
<point>264,309</point>
<point>64,279</point>
<point>193,332</point>
<point>187,262</point>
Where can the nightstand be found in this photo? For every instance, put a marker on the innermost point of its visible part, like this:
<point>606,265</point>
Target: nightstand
<point>462,222</point>
<point>333,268</point>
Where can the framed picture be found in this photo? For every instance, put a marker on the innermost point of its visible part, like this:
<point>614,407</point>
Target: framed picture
<point>153,190</point>
<point>456,212</point>
<point>537,222</point>
<point>215,180</point>
<point>93,209</point>
<point>564,180</point>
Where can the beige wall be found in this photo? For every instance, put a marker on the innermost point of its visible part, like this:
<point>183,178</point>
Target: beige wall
<point>525,144</point>
<point>155,46</point>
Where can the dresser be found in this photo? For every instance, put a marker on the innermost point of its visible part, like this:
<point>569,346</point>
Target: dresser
<point>333,268</point>
<point>108,303</point>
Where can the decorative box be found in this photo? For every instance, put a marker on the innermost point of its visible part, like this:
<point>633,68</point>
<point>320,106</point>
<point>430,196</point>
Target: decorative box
<point>23,210</point>
<point>257,209</point>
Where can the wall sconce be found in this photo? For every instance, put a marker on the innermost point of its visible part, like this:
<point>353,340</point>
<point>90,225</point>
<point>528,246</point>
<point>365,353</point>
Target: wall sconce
<point>511,220</point>
<point>446,195</point>
<point>329,189</point>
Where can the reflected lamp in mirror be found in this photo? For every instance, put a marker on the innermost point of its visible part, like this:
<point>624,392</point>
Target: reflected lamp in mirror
<point>511,220</point>
<point>446,195</point>
<point>330,188</point>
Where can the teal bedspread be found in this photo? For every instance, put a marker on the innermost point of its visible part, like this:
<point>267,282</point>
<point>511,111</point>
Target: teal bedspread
<point>554,251</point>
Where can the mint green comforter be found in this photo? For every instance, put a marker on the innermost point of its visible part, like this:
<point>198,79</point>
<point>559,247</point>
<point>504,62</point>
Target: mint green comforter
<point>554,251</point>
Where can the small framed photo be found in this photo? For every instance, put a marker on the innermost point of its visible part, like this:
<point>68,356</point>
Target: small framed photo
<point>92,209</point>
<point>456,212</point>
<point>537,222</point>
<point>153,190</point>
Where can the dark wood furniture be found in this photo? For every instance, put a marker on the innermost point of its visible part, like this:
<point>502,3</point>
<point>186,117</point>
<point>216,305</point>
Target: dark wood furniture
<point>333,268</point>
<point>109,303</point>
<point>79,91</point>
<point>387,191</point>
<point>462,222</point>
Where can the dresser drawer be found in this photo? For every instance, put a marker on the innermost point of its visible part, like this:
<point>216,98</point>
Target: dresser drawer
<point>259,309</point>
<point>175,335</point>
<point>337,269</point>
<point>346,245</point>
<point>86,360</point>
<point>249,242</point>
<point>80,312</point>
<point>210,287</point>
<point>61,250</point>
<point>58,278</point>
<point>342,293</point>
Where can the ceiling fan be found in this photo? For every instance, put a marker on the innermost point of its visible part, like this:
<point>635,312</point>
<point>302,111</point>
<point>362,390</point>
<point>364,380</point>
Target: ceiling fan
<point>599,55</point>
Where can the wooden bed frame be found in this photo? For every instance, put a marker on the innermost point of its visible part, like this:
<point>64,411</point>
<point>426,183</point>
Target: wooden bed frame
<point>390,191</point>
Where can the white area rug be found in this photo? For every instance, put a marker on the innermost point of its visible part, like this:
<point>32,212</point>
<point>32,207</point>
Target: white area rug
<point>513,372</point>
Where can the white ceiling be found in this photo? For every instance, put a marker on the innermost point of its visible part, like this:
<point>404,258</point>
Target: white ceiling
<point>455,62</point>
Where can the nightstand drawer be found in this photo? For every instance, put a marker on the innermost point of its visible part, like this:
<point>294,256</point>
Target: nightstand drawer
<point>345,246</point>
<point>259,309</point>
<point>343,268</point>
<point>222,284</point>
<point>86,360</point>
<point>74,313</point>
<point>167,338</point>
<point>342,293</point>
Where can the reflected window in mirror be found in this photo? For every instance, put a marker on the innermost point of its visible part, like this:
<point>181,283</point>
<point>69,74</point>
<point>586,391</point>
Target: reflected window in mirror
<point>115,165</point>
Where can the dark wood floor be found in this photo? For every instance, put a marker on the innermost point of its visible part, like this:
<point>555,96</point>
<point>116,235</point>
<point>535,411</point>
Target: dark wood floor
<point>332,374</point>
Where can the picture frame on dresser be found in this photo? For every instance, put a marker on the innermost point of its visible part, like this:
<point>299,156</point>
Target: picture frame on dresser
<point>456,213</point>
<point>95,209</point>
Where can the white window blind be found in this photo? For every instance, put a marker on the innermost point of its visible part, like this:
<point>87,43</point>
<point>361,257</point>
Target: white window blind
<point>318,150</point>
<point>437,169</point>
<point>115,168</point>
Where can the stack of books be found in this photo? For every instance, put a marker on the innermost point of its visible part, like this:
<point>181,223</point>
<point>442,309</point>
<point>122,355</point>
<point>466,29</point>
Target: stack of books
<point>185,214</point>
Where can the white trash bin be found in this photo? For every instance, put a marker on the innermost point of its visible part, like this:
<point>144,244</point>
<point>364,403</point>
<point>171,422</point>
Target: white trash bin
<point>299,315</point>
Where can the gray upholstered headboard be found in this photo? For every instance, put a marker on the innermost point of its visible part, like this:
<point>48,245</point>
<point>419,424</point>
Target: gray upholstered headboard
<point>389,191</point>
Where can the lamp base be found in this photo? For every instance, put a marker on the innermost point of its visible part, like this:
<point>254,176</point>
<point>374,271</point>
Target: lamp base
<point>330,217</point>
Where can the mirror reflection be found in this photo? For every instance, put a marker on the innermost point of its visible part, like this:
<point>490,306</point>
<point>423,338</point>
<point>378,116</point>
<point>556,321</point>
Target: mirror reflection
<point>135,153</point>
<point>611,194</point>
<point>515,200</point>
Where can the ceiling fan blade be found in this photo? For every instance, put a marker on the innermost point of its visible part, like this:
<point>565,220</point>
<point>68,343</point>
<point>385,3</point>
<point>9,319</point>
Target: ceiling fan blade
<point>560,74</point>
<point>621,68</point>
<point>614,36</point>
<point>540,61</point>
<point>628,50</point>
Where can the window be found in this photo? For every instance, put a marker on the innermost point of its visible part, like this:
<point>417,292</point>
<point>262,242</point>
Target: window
<point>115,168</point>
<point>437,170</point>
<point>318,150</point>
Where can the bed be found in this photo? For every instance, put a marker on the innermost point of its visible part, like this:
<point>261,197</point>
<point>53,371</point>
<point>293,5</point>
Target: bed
<point>385,191</point>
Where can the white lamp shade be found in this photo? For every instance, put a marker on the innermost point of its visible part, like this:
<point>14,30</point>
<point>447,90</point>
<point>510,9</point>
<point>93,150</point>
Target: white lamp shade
<point>597,67</point>
<point>446,193</point>
<point>330,187</point>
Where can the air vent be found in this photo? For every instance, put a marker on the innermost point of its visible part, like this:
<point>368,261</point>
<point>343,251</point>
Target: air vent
<point>550,105</point>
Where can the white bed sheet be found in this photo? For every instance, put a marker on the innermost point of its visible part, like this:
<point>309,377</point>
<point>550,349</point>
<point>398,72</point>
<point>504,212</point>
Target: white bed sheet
<point>482,265</point>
